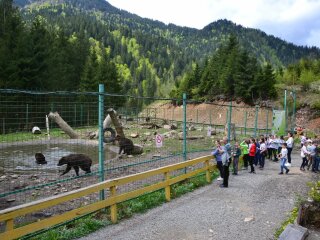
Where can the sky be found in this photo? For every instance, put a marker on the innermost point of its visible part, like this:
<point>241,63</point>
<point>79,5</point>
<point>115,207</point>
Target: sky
<point>296,21</point>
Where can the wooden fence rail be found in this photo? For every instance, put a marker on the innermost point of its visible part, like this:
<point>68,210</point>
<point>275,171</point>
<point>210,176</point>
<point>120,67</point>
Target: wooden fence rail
<point>8,215</point>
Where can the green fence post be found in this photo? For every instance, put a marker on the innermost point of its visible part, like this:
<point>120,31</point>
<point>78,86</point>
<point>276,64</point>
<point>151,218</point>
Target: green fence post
<point>227,116</point>
<point>293,112</point>
<point>173,113</point>
<point>245,123</point>
<point>101,134</point>
<point>197,116</point>
<point>229,121</point>
<point>75,115</point>
<point>256,121</point>
<point>267,128</point>
<point>185,128</point>
<point>27,116</point>
<point>81,114</point>
<point>285,109</point>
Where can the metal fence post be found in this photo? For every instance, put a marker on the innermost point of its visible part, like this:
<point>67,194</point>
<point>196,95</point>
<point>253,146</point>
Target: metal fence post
<point>27,116</point>
<point>285,110</point>
<point>81,114</point>
<point>197,116</point>
<point>229,121</point>
<point>101,134</point>
<point>293,112</point>
<point>267,127</point>
<point>184,127</point>
<point>256,121</point>
<point>245,123</point>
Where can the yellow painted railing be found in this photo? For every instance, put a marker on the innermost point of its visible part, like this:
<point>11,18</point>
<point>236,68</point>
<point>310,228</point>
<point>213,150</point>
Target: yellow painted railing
<point>8,215</point>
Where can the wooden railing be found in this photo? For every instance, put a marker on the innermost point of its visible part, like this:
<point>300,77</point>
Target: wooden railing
<point>8,215</point>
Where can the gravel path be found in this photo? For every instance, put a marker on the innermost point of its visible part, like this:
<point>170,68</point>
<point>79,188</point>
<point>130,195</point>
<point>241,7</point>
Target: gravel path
<point>253,207</point>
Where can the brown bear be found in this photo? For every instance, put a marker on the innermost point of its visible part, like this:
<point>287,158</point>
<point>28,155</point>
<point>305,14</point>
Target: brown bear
<point>40,158</point>
<point>76,161</point>
<point>125,144</point>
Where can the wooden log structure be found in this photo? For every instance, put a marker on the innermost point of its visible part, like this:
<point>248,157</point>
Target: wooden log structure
<point>54,116</point>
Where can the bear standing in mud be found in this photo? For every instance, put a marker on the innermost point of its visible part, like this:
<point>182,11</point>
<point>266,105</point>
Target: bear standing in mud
<point>125,144</point>
<point>76,161</point>
<point>40,158</point>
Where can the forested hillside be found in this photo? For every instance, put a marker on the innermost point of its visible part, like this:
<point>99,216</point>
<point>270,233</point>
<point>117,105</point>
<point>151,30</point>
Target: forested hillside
<point>76,44</point>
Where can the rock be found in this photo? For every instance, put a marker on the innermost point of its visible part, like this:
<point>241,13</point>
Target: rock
<point>36,130</point>
<point>192,128</point>
<point>10,200</point>
<point>156,156</point>
<point>130,156</point>
<point>14,176</point>
<point>147,134</point>
<point>294,232</point>
<point>41,214</point>
<point>134,135</point>
<point>34,177</point>
<point>167,126</point>
<point>20,186</point>
<point>249,219</point>
<point>55,193</point>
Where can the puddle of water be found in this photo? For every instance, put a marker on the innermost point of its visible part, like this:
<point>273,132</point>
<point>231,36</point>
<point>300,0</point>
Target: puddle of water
<point>20,156</point>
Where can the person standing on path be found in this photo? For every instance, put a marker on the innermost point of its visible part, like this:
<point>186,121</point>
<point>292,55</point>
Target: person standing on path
<point>312,148</point>
<point>218,153</point>
<point>274,148</point>
<point>245,151</point>
<point>303,154</point>
<point>226,161</point>
<point>252,153</point>
<point>263,153</point>
<point>289,143</point>
<point>236,156</point>
<point>283,158</point>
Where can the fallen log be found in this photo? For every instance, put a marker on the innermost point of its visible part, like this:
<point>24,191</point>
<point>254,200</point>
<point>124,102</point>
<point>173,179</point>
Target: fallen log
<point>63,125</point>
<point>192,137</point>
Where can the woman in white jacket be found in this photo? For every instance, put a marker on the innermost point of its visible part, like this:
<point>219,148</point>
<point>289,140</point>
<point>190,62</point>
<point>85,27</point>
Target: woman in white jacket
<point>304,153</point>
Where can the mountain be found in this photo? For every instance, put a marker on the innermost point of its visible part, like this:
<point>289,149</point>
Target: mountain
<point>197,43</point>
<point>150,54</point>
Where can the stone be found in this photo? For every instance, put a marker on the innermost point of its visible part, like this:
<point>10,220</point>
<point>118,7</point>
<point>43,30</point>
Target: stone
<point>294,232</point>
<point>4,177</point>
<point>168,127</point>
<point>147,134</point>
<point>249,219</point>
<point>10,200</point>
<point>192,128</point>
<point>134,135</point>
<point>14,176</point>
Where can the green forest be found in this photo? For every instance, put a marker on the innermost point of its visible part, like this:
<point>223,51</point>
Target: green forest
<point>75,45</point>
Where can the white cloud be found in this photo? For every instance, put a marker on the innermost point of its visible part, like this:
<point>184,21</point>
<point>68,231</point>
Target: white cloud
<point>296,21</point>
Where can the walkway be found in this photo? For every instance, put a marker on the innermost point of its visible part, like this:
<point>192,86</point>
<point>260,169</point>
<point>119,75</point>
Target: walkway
<point>253,207</point>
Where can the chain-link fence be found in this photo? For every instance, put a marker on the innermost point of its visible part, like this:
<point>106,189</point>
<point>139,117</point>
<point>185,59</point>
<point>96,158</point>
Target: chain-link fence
<point>40,130</point>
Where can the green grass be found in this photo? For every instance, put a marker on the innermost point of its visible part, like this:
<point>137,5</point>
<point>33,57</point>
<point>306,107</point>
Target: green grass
<point>292,217</point>
<point>314,193</point>
<point>88,224</point>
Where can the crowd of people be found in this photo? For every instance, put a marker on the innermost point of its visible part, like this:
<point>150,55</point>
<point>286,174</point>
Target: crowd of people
<point>255,151</point>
